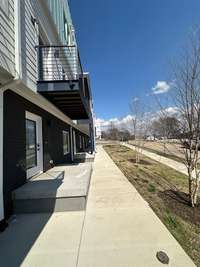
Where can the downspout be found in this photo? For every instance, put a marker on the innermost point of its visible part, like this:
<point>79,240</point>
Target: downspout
<point>2,222</point>
<point>91,128</point>
<point>74,142</point>
<point>71,144</point>
<point>8,85</point>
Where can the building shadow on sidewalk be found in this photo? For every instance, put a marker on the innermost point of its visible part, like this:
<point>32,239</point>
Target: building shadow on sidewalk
<point>20,236</point>
<point>24,229</point>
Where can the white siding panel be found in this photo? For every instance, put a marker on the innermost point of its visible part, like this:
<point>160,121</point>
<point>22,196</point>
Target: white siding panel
<point>29,37</point>
<point>7,39</point>
<point>28,43</point>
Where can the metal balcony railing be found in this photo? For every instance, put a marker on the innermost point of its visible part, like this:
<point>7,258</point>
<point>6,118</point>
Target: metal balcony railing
<point>58,63</point>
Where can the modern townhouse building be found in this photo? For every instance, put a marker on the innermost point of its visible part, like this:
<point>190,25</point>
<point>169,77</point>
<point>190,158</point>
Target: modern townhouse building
<point>45,97</point>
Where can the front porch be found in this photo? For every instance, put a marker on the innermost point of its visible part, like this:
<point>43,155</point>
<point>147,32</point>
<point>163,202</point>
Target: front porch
<point>62,188</point>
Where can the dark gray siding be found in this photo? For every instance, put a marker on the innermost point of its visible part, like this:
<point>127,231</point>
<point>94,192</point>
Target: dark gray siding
<point>15,142</point>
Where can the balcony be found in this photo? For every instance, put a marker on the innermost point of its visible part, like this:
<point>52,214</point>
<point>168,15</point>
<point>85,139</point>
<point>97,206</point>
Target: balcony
<point>61,80</point>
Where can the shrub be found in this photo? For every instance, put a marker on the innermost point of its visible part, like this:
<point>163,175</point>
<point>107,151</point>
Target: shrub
<point>151,188</point>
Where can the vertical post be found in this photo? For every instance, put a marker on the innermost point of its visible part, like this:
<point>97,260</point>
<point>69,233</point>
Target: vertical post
<point>71,143</point>
<point>92,136</point>
<point>1,157</point>
<point>74,137</point>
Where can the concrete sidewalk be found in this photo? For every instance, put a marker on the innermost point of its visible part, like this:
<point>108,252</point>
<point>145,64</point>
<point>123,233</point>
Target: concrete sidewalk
<point>178,166</point>
<point>120,229</point>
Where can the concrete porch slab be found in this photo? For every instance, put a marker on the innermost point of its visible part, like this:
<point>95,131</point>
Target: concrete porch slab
<point>63,188</point>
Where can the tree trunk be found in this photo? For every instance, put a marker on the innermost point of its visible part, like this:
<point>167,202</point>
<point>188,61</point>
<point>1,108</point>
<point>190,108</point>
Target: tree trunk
<point>192,200</point>
<point>190,186</point>
<point>196,192</point>
<point>194,195</point>
<point>164,147</point>
<point>189,181</point>
<point>137,157</point>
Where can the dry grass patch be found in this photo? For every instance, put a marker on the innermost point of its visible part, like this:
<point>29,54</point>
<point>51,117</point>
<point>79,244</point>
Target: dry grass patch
<point>166,192</point>
<point>167,154</point>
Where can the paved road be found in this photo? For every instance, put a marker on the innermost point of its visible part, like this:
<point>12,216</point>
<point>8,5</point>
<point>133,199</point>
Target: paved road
<point>118,229</point>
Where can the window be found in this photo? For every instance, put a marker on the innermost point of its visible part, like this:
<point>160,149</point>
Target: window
<point>83,142</point>
<point>67,32</point>
<point>31,144</point>
<point>66,29</point>
<point>65,142</point>
<point>69,40</point>
<point>80,141</point>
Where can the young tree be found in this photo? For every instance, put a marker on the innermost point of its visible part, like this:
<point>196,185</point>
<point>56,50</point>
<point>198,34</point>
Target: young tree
<point>112,131</point>
<point>186,94</point>
<point>165,127</point>
<point>140,125</point>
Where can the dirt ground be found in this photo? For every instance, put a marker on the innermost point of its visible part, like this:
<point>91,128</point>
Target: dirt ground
<point>166,192</point>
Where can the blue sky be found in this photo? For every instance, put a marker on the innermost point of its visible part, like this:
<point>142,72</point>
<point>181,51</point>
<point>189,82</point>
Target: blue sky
<point>128,46</point>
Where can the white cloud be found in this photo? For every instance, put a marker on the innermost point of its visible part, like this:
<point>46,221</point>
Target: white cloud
<point>98,120</point>
<point>171,111</point>
<point>161,87</point>
<point>127,121</point>
<point>128,118</point>
<point>135,99</point>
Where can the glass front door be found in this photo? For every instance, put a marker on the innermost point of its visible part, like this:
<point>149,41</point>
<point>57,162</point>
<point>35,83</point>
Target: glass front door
<point>34,153</point>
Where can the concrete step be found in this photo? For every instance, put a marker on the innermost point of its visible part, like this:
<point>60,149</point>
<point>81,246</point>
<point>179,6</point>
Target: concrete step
<point>63,188</point>
<point>46,205</point>
<point>84,157</point>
